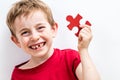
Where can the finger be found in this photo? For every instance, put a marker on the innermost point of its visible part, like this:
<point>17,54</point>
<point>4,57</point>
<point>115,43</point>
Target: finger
<point>83,26</point>
<point>85,33</point>
<point>80,37</point>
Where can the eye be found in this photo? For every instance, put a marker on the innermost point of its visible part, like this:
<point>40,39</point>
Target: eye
<point>25,33</point>
<point>41,28</point>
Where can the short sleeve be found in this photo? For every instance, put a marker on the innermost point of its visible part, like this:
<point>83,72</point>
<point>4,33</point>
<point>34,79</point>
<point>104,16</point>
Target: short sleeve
<point>73,58</point>
<point>76,60</point>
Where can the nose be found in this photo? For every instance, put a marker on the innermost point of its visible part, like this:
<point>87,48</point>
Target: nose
<point>35,36</point>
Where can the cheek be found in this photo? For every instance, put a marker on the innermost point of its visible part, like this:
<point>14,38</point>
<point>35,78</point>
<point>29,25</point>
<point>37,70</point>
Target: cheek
<point>23,41</point>
<point>46,33</point>
<point>49,33</point>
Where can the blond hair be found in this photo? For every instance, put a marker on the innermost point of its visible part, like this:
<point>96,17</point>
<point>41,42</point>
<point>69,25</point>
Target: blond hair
<point>25,7</point>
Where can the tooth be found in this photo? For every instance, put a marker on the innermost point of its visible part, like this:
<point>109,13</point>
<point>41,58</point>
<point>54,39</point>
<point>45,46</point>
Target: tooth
<point>37,46</point>
<point>33,47</point>
<point>41,44</point>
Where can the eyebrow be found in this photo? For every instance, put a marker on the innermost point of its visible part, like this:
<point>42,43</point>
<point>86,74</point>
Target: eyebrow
<point>34,26</point>
<point>23,30</point>
<point>40,24</point>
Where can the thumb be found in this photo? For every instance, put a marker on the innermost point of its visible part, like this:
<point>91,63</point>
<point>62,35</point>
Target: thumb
<point>79,37</point>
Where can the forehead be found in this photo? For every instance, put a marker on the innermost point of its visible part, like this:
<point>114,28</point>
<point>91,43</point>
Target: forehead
<point>31,18</point>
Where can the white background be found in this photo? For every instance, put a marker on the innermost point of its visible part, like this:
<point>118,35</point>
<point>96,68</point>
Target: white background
<point>104,48</point>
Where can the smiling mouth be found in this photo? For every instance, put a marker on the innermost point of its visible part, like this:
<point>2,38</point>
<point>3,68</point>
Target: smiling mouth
<point>37,46</point>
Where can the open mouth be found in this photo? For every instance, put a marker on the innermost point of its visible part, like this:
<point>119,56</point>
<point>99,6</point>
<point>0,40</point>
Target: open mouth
<point>37,46</point>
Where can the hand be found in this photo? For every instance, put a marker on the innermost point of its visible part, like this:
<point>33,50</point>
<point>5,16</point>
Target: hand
<point>84,38</point>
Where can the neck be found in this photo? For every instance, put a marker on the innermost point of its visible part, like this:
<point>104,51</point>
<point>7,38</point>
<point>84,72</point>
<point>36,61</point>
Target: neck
<point>40,60</point>
<point>35,61</point>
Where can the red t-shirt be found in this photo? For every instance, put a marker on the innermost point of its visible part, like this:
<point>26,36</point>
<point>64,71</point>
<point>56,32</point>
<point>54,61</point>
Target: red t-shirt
<point>60,66</point>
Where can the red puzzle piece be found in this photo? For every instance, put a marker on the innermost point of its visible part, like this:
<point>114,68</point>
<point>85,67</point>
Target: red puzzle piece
<point>75,22</point>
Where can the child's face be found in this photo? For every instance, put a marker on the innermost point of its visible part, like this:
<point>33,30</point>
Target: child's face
<point>34,34</point>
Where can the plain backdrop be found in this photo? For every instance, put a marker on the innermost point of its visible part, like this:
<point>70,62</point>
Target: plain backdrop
<point>105,45</point>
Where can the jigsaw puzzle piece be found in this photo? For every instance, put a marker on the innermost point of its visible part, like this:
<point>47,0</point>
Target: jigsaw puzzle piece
<point>75,22</point>
<point>87,23</point>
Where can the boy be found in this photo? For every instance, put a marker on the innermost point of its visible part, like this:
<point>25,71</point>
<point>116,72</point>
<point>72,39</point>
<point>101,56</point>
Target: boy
<point>33,28</point>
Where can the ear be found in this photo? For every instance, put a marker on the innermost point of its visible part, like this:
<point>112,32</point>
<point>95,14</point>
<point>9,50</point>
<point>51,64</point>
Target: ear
<point>15,40</point>
<point>54,29</point>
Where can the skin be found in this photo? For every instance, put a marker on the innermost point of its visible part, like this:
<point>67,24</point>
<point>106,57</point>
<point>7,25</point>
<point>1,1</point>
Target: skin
<point>35,36</point>
<point>33,31</point>
<point>86,70</point>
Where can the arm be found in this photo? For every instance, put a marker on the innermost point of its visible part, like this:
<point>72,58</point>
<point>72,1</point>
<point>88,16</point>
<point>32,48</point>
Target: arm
<point>86,69</point>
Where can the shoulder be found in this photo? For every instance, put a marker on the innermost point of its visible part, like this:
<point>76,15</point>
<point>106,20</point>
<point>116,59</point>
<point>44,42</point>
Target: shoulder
<point>69,51</point>
<point>70,54</point>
